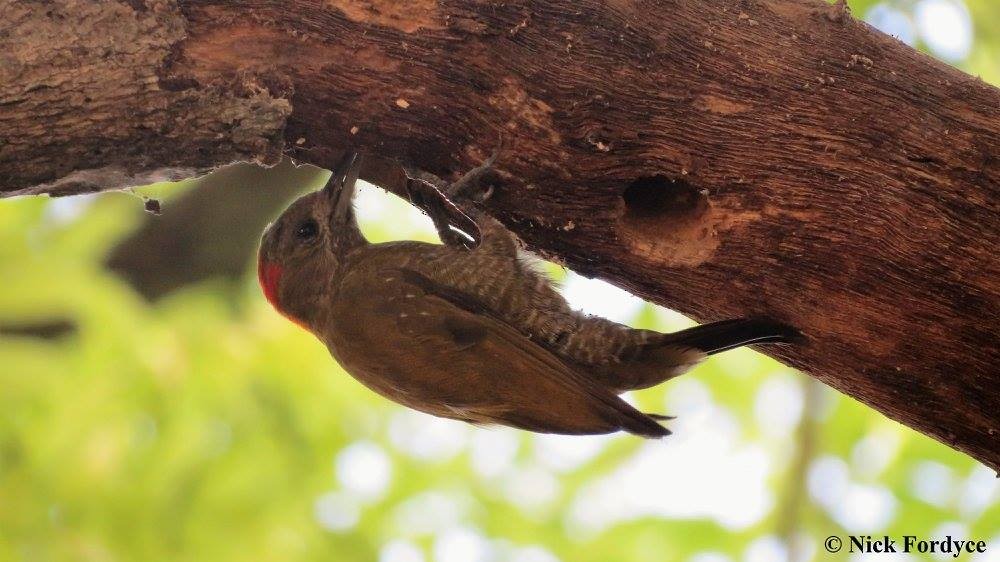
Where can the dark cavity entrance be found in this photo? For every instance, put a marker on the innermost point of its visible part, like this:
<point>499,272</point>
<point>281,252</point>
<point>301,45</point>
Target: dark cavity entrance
<point>660,197</point>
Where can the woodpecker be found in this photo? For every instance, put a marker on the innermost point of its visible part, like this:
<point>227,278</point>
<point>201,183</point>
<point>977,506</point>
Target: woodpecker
<point>472,334</point>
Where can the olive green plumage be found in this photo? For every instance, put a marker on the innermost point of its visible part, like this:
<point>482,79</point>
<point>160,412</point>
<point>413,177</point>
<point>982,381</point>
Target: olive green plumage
<point>471,334</point>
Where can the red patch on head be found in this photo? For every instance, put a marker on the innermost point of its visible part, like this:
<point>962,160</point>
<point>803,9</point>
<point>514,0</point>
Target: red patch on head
<point>269,275</point>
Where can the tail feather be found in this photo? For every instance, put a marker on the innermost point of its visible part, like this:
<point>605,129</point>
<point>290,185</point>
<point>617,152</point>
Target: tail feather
<point>717,337</point>
<point>643,425</point>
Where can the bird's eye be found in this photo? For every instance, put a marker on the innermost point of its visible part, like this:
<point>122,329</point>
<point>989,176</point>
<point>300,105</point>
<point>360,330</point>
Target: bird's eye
<point>307,230</point>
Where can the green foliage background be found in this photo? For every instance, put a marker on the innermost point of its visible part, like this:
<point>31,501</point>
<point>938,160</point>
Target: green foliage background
<point>207,427</point>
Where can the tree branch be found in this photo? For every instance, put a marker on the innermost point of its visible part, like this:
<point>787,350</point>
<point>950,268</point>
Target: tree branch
<point>723,158</point>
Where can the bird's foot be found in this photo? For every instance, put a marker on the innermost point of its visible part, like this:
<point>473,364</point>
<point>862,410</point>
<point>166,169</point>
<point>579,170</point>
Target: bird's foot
<point>428,192</point>
<point>470,186</point>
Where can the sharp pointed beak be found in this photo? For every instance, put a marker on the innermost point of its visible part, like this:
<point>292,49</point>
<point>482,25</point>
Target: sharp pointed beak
<point>340,188</point>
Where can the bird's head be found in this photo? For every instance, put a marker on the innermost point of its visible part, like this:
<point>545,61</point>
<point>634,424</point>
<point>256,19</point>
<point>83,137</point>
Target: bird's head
<point>303,250</point>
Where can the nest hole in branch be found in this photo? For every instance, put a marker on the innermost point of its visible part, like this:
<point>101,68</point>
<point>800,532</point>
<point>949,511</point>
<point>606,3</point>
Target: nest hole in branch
<point>663,198</point>
<point>668,218</point>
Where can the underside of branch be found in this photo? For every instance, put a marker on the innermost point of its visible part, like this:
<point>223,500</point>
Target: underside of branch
<point>723,158</point>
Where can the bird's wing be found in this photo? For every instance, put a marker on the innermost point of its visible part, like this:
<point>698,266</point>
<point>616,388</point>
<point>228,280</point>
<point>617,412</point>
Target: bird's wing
<point>440,350</point>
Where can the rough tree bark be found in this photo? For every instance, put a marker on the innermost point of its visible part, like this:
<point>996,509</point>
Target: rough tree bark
<point>720,157</point>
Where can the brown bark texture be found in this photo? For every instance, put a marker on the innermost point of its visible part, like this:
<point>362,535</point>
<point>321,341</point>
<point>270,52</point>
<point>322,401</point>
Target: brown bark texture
<point>721,157</point>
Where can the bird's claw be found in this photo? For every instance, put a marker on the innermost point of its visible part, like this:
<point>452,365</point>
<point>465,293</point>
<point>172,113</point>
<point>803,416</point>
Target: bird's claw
<point>469,187</point>
<point>427,192</point>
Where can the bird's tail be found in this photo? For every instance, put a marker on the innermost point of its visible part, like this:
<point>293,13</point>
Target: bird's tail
<point>669,355</point>
<point>717,337</point>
